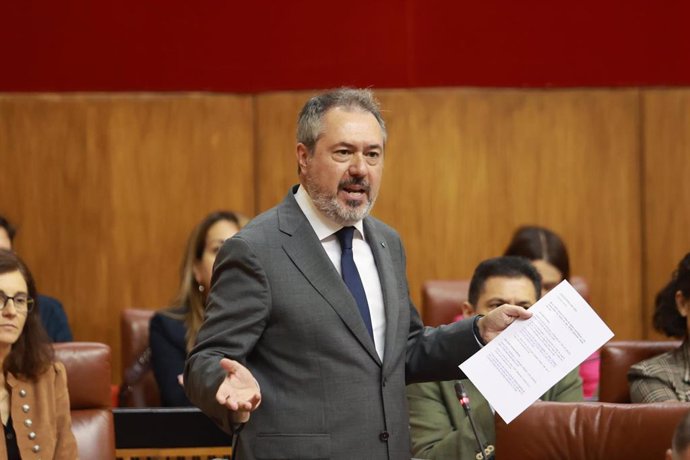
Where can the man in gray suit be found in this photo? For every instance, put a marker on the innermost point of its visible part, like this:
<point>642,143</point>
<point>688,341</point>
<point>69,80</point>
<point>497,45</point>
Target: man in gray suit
<point>309,326</point>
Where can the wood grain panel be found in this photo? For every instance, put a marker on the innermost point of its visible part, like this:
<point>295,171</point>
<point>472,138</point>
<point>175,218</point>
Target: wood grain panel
<point>666,114</point>
<point>276,124</point>
<point>116,184</point>
<point>465,167</point>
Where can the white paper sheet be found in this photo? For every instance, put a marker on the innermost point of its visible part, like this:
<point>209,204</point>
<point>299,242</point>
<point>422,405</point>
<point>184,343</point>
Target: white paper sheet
<point>529,357</point>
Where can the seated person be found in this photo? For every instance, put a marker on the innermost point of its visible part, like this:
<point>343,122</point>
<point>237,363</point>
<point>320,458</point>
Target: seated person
<point>667,377</point>
<point>439,427</point>
<point>172,332</point>
<point>34,403</point>
<point>52,314</point>
<point>680,445</point>
<point>549,255</point>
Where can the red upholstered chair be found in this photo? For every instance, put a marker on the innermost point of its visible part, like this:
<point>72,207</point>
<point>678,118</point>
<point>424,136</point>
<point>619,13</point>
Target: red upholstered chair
<point>442,299</point>
<point>139,388</point>
<point>589,431</point>
<point>616,359</point>
<point>88,381</point>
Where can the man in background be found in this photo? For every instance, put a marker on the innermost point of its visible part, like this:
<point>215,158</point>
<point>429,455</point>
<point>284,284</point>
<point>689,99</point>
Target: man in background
<point>439,427</point>
<point>52,314</point>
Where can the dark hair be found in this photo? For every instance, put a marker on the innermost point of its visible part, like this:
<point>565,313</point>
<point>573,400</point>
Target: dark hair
<point>539,243</point>
<point>506,266</point>
<point>309,120</point>
<point>189,297</point>
<point>681,436</point>
<point>9,228</point>
<point>667,319</point>
<point>31,354</point>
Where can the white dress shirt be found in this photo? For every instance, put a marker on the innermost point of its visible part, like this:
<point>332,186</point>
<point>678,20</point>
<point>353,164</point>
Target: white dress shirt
<point>326,230</point>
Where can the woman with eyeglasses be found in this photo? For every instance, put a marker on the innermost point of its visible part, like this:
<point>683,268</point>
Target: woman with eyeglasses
<point>34,403</point>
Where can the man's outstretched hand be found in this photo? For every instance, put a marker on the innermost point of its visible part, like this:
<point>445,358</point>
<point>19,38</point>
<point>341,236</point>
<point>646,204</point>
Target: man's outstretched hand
<point>239,391</point>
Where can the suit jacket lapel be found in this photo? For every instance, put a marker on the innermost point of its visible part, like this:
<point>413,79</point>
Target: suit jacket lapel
<point>306,252</point>
<point>389,285</point>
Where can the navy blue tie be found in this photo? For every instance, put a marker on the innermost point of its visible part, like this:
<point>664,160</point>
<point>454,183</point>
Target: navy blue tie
<point>351,276</point>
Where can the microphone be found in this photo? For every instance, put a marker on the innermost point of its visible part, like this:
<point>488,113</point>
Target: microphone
<point>486,451</point>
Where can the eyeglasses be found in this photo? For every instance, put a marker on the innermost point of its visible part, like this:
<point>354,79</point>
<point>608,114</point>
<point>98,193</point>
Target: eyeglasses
<point>22,302</point>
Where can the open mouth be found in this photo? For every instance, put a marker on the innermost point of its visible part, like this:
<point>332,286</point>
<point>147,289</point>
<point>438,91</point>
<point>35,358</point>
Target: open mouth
<point>355,191</point>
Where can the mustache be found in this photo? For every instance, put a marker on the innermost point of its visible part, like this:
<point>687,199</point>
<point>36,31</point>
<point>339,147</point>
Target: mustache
<point>359,181</point>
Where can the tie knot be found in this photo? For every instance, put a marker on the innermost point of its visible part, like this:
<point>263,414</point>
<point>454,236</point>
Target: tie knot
<point>345,237</point>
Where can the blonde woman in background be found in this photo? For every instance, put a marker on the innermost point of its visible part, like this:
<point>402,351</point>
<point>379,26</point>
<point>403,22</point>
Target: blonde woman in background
<point>172,332</point>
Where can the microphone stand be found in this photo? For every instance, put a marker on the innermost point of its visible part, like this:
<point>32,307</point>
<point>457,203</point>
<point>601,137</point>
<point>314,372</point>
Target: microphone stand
<point>485,453</point>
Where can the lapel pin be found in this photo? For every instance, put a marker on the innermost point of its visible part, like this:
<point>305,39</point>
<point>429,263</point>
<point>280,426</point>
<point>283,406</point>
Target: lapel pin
<point>383,244</point>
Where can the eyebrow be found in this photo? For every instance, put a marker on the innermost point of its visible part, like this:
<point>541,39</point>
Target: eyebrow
<point>2,291</point>
<point>496,299</point>
<point>354,147</point>
<point>499,299</point>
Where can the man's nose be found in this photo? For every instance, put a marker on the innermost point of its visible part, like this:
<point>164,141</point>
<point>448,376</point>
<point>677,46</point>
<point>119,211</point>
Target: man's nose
<point>358,165</point>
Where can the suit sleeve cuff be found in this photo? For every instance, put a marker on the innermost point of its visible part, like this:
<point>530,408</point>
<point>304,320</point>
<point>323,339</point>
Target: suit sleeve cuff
<point>475,330</point>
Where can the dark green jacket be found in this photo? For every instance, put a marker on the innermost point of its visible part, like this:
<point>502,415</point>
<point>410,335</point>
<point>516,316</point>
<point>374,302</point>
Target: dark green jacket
<point>440,429</point>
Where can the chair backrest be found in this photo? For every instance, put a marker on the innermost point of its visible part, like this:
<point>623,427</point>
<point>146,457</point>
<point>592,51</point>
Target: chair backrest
<point>589,431</point>
<point>616,359</point>
<point>139,388</point>
<point>442,299</point>
<point>88,381</point>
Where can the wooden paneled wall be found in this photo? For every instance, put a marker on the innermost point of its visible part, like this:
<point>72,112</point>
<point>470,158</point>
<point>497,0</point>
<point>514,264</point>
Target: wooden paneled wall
<point>118,181</point>
<point>106,188</point>
<point>665,187</point>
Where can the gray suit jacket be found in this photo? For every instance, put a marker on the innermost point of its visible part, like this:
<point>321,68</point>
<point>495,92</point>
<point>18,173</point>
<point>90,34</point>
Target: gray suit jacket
<point>278,305</point>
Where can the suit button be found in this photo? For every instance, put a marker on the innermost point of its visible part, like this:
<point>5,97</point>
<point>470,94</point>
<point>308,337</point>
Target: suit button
<point>383,436</point>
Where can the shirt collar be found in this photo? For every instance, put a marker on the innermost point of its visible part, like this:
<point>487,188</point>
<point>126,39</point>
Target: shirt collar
<point>322,225</point>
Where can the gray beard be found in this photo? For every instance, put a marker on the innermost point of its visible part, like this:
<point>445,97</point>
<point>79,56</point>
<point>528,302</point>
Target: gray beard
<point>329,205</point>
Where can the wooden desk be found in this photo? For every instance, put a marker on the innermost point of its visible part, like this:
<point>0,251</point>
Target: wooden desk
<point>168,433</point>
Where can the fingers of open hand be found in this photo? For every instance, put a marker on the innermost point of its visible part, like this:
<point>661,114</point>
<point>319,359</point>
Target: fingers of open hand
<point>239,391</point>
<point>238,402</point>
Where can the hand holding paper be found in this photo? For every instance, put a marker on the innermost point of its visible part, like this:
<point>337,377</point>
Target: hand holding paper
<point>529,357</point>
<point>499,319</point>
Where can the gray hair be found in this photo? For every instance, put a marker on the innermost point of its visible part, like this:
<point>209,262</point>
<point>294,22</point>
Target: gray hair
<point>309,120</point>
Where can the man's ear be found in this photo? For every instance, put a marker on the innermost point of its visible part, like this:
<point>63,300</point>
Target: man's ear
<point>467,309</point>
<point>302,154</point>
